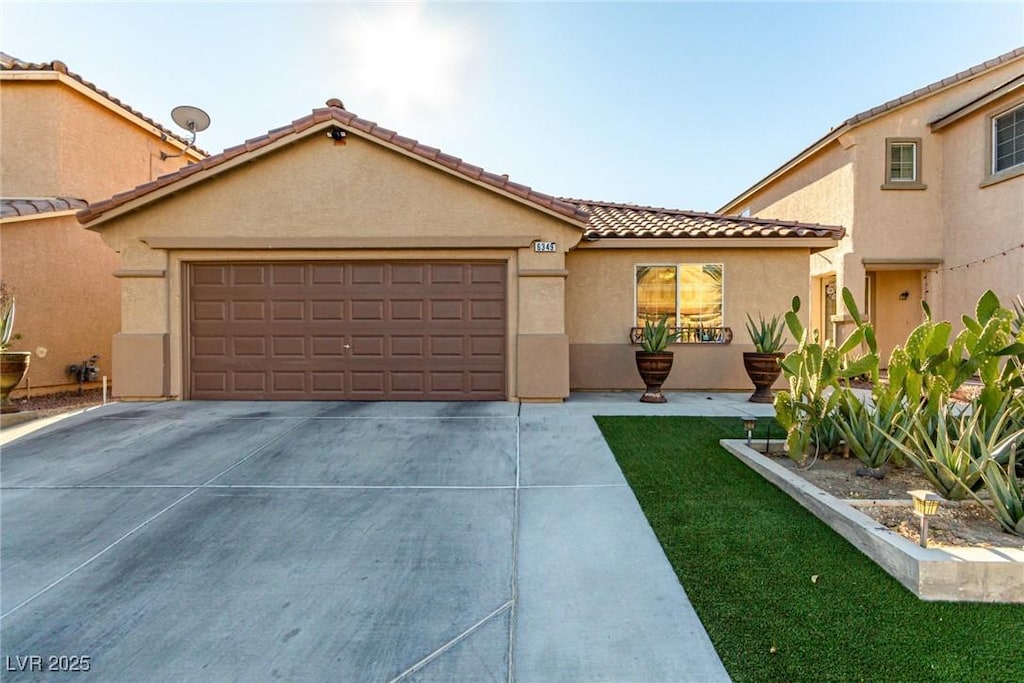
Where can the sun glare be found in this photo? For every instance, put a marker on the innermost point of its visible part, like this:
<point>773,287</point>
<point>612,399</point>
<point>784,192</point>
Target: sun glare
<point>398,60</point>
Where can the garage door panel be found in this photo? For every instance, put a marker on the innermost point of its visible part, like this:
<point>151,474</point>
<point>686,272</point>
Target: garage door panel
<point>242,381</point>
<point>328,310</point>
<point>327,274</point>
<point>367,274</point>
<point>247,275</point>
<point>367,347</point>
<point>248,310</point>
<point>330,347</point>
<point>249,346</point>
<point>335,330</point>
<point>210,275</point>
<point>406,346</point>
<point>367,310</point>
<point>288,273</point>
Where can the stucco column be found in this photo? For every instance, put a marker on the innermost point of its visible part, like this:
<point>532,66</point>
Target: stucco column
<point>850,276</point>
<point>542,359</point>
<point>141,350</point>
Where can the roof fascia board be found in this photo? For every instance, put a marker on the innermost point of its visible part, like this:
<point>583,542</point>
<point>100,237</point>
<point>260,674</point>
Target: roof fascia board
<point>286,140</point>
<point>441,167</point>
<point>814,243</point>
<point>303,243</point>
<point>38,216</point>
<point>196,177</point>
<point>951,118</point>
<point>807,153</point>
<point>101,100</point>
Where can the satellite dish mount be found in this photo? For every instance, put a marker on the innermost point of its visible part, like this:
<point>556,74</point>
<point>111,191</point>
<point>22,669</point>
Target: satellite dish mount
<point>192,119</point>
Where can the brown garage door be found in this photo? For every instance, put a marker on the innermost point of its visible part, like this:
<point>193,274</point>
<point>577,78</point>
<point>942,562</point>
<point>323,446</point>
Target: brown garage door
<point>356,330</point>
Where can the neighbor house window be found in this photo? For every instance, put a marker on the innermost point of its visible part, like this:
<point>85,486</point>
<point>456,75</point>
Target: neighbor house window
<point>902,161</point>
<point>690,294</point>
<point>903,164</point>
<point>1008,140</point>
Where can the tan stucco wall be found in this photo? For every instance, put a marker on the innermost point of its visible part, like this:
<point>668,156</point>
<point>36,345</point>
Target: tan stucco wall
<point>67,298</point>
<point>58,142</point>
<point>953,220</point>
<point>362,196</point>
<point>600,291</point>
<point>979,222</point>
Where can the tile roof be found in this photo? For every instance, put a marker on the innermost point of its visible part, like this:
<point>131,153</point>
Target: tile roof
<point>15,207</point>
<point>335,111</point>
<point>10,63</point>
<point>934,87</point>
<point>608,220</point>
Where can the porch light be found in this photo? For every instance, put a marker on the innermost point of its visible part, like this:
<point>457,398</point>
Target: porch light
<point>926,504</point>
<point>749,423</point>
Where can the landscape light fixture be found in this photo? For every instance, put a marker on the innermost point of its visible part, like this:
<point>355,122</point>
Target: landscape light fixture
<point>926,504</point>
<point>749,423</point>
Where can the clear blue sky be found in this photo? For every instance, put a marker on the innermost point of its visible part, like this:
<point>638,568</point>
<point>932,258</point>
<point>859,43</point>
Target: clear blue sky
<point>672,104</point>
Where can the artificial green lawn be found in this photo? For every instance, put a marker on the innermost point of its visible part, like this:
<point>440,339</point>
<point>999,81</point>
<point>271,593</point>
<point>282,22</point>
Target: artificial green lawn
<point>746,554</point>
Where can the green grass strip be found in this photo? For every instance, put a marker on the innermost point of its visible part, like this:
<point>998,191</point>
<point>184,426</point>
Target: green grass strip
<point>746,554</point>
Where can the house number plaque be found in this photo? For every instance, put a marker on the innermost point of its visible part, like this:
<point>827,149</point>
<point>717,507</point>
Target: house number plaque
<point>544,246</point>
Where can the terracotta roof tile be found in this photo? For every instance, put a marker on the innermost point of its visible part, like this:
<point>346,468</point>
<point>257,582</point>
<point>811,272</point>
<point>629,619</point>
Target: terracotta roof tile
<point>9,63</point>
<point>610,221</point>
<point>17,206</point>
<point>938,85</point>
<point>342,118</point>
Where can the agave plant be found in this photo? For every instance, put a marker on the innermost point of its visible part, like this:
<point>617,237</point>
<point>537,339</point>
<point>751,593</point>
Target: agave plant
<point>1006,494</point>
<point>864,429</point>
<point>953,467</point>
<point>657,336</point>
<point>766,336</point>
<point>826,435</point>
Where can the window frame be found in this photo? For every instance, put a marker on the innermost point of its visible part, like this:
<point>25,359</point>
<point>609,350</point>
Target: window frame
<point>891,183</point>
<point>676,266</point>
<point>994,142</point>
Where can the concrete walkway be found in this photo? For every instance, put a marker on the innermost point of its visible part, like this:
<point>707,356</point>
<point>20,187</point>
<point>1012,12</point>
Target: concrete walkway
<point>342,541</point>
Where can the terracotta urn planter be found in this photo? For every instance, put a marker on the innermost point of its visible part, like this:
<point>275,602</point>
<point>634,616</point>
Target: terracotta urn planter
<point>13,366</point>
<point>763,369</point>
<point>654,367</point>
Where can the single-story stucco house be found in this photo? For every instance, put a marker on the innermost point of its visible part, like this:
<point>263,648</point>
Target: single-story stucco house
<point>335,259</point>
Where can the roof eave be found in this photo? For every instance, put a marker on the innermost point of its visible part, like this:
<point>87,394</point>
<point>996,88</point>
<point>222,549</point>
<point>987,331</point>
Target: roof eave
<point>814,244</point>
<point>106,103</point>
<point>808,152</point>
<point>98,214</point>
<point>995,95</point>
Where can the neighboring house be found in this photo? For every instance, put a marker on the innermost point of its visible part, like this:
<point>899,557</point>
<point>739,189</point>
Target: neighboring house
<point>64,143</point>
<point>930,189</point>
<point>335,259</point>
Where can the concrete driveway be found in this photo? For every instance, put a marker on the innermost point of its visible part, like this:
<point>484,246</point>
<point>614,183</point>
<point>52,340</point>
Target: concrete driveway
<point>335,541</point>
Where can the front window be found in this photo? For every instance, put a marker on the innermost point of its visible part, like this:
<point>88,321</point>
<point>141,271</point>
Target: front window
<point>902,162</point>
<point>1008,140</point>
<point>690,294</point>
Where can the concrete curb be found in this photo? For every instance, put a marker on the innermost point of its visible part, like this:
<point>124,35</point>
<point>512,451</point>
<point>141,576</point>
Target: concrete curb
<point>950,574</point>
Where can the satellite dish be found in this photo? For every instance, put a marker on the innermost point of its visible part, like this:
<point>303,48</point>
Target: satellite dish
<point>192,119</point>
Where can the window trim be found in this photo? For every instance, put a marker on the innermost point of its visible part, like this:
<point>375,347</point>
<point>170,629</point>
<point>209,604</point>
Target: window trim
<point>993,176</point>
<point>891,183</point>
<point>676,265</point>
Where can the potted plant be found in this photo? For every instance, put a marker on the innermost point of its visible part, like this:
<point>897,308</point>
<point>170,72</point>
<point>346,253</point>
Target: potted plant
<point>653,361</point>
<point>13,364</point>
<point>762,365</point>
